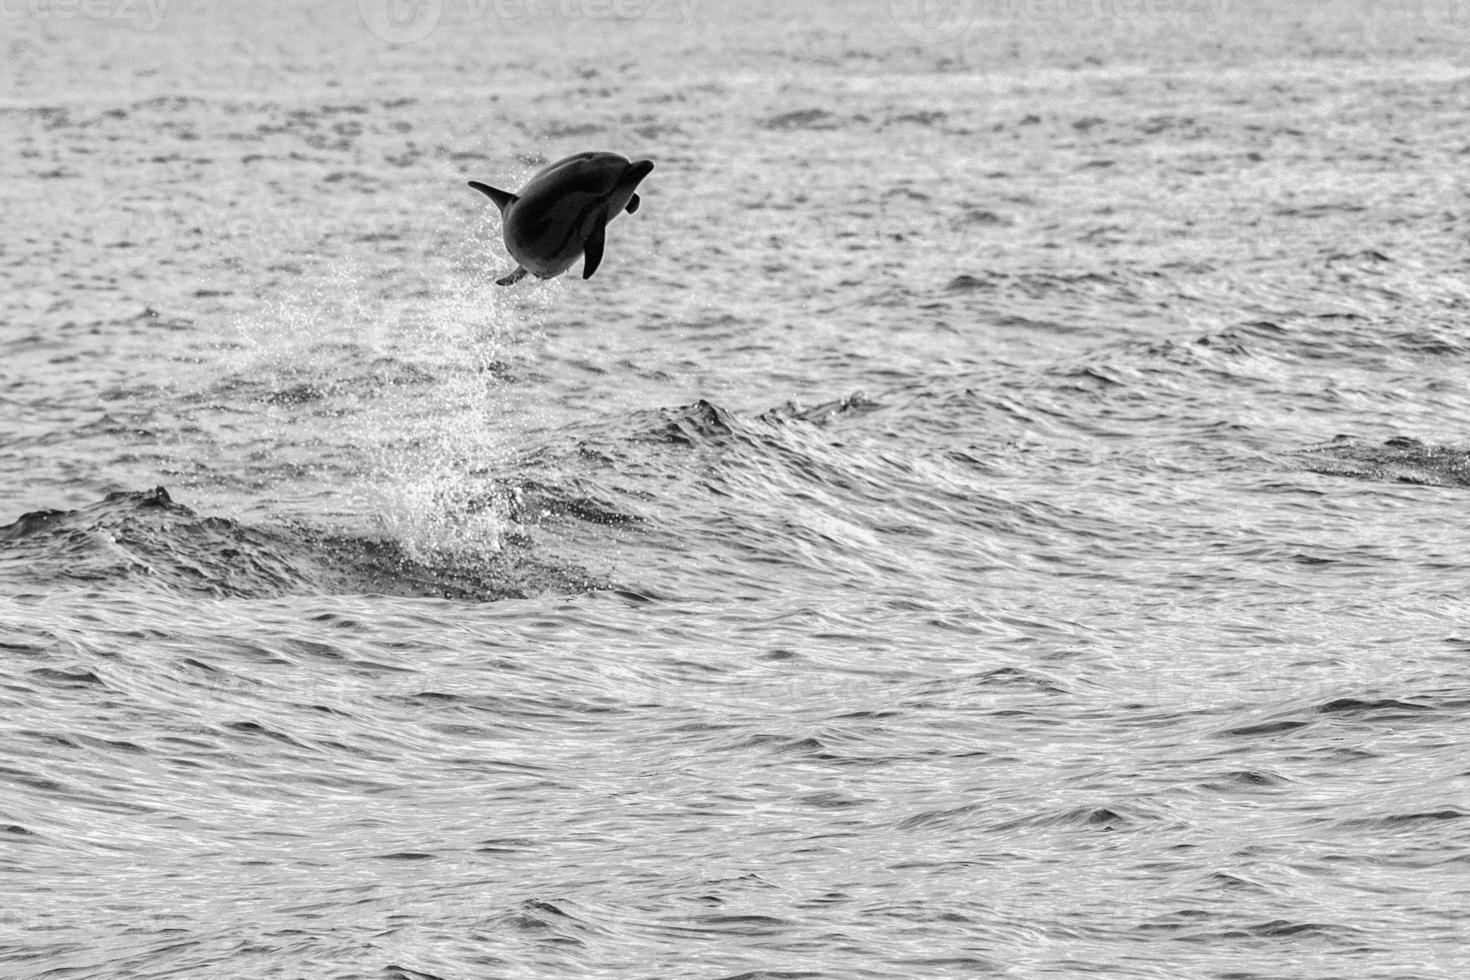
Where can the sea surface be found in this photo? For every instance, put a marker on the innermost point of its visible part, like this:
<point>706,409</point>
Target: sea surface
<point>1002,507</point>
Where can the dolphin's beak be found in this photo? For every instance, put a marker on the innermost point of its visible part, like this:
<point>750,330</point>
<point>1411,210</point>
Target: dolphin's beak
<point>636,172</point>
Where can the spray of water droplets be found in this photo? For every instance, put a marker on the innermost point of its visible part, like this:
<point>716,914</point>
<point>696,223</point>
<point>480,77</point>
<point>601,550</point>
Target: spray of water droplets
<point>396,407</point>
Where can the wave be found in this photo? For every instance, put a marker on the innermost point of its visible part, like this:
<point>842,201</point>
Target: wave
<point>146,540</point>
<point>1396,460</point>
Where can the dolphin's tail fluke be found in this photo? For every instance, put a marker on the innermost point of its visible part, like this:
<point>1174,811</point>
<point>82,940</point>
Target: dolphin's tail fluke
<point>501,198</point>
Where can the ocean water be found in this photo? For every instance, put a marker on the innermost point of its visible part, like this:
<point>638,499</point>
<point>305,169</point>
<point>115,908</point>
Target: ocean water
<point>999,509</point>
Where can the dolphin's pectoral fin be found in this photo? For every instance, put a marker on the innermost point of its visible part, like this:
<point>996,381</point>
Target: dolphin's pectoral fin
<point>633,203</point>
<point>592,251</point>
<point>512,278</point>
<point>502,199</point>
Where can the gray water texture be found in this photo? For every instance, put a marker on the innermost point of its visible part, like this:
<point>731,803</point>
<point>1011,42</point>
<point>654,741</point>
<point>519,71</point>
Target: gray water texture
<point>998,510</point>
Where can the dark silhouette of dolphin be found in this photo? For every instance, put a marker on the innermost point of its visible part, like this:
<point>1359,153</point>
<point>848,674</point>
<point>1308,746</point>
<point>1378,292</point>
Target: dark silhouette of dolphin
<point>563,212</point>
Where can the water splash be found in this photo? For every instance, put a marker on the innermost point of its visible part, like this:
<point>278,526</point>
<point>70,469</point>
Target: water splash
<point>395,408</point>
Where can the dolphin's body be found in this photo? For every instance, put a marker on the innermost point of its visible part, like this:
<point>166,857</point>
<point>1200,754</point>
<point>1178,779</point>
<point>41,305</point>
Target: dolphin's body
<point>563,212</point>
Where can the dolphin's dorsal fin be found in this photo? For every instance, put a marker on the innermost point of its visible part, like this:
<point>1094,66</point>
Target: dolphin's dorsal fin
<point>596,242</point>
<point>633,203</point>
<point>502,199</point>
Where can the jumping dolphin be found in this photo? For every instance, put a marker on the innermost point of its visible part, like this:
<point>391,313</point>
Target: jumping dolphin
<point>563,212</point>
